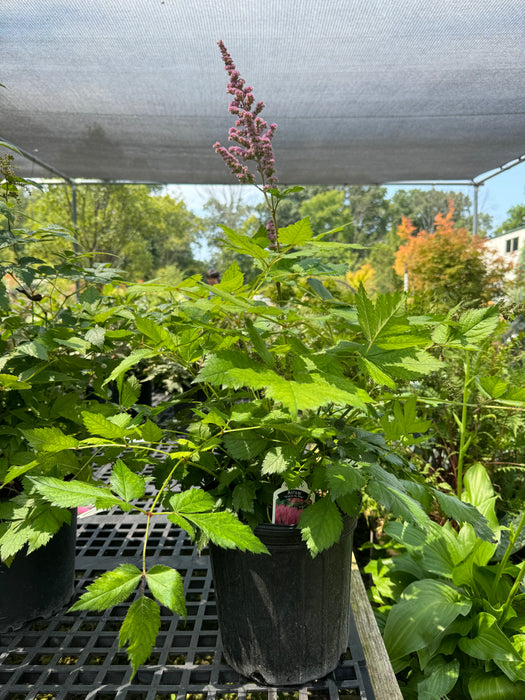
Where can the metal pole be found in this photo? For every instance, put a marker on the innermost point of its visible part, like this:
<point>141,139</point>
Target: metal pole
<point>475,217</point>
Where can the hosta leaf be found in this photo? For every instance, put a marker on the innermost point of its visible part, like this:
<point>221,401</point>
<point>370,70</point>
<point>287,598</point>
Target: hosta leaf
<point>140,628</point>
<point>71,494</point>
<point>425,610</point>
<point>50,439</point>
<point>441,677</point>
<point>225,530</point>
<point>192,501</point>
<point>167,584</point>
<point>321,525</point>
<point>109,589</point>
<point>489,641</point>
<point>492,686</point>
<point>126,483</point>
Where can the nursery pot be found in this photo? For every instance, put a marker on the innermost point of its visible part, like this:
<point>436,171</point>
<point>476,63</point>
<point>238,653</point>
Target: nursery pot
<point>284,618</point>
<point>41,583</point>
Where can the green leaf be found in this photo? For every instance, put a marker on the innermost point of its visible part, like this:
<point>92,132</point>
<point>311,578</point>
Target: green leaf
<point>9,381</point>
<point>192,501</point>
<point>425,610</point>
<point>140,628</point>
<point>244,444</point>
<point>225,530</point>
<point>464,513</point>
<point>388,490</point>
<point>343,478</point>
<point>158,334</point>
<point>151,432</point>
<point>71,494</point>
<point>109,589</point>
<point>296,234</point>
<point>319,288</point>
<point>97,424</point>
<point>133,359</point>
<point>441,677</point>
<point>167,584</point>
<point>489,641</point>
<point>34,349</point>
<point>95,336</point>
<point>50,439</point>
<point>476,325</point>
<point>243,496</point>
<point>259,345</point>
<point>321,525</point>
<point>491,686</point>
<point>126,483</point>
<point>278,460</point>
<point>130,391</point>
<point>244,244</point>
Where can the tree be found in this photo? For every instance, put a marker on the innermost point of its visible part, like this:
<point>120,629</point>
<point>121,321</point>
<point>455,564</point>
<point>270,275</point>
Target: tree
<point>129,226</point>
<point>448,265</point>
<point>515,219</point>
<point>370,211</point>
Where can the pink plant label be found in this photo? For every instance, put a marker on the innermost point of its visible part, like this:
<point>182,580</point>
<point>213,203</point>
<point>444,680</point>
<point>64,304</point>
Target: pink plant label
<point>288,504</point>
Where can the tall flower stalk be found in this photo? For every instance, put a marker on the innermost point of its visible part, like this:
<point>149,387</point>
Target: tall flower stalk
<point>252,139</point>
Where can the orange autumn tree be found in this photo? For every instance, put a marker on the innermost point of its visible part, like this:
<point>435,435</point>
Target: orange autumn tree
<point>449,265</point>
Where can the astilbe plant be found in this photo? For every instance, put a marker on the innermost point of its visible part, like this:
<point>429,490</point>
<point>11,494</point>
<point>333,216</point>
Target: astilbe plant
<point>303,390</point>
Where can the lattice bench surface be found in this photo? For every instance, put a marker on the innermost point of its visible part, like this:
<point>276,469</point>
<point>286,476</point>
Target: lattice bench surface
<point>75,656</point>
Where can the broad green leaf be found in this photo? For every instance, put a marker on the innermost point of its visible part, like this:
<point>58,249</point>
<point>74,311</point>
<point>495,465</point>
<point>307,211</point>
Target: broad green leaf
<point>167,585</point>
<point>50,439</point>
<point>489,641</point>
<point>183,523</point>
<point>158,334</point>
<point>321,525</point>
<point>296,234</point>
<point>244,244</point>
<point>225,530</point>
<point>133,359</point>
<point>478,491</point>
<point>515,672</point>
<point>71,494</point>
<point>376,318</point>
<point>388,490</point>
<point>319,288</point>
<point>97,424</point>
<point>492,686</point>
<point>34,349</point>
<point>140,628</point>
<point>442,676</point>
<point>493,386</point>
<point>151,432</point>
<point>192,501</point>
<point>278,460</point>
<point>476,325</point>
<point>343,478</point>
<point>126,483</point>
<point>425,610</point>
<point>109,589</point>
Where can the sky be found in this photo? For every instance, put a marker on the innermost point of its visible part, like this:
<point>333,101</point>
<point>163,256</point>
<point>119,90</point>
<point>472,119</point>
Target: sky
<point>495,197</point>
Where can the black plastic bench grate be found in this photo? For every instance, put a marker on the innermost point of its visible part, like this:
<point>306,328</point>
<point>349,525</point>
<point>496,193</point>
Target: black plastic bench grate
<point>75,656</point>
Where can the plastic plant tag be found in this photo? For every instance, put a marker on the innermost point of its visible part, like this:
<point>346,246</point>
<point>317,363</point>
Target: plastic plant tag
<point>288,504</point>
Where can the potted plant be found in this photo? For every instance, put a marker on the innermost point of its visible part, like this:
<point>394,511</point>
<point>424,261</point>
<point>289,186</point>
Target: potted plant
<point>300,386</point>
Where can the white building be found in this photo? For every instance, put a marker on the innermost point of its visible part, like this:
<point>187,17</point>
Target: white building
<point>509,244</point>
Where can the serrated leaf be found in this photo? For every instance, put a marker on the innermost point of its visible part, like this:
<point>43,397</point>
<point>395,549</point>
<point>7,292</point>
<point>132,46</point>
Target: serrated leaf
<point>297,233</point>
<point>50,439</point>
<point>98,424</point>
<point>130,391</point>
<point>109,589</point>
<point>321,525</point>
<point>133,359</point>
<point>71,494</point>
<point>225,530</point>
<point>259,345</point>
<point>34,349</point>
<point>9,381</point>
<point>192,501</point>
<point>167,586</point>
<point>95,336</point>
<point>243,496</point>
<point>278,460</point>
<point>244,444</point>
<point>375,319</point>
<point>151,432</point>
<point>343,478</point>
<point>140,629</point>
<point>126,483</point>
<point>183,523</point>
<point>390,492</point>
<point>244,244</point>
<point>464,513</point>
<point>158,334</point>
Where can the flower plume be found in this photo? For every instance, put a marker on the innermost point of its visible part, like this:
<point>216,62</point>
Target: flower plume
<point>251,135</point>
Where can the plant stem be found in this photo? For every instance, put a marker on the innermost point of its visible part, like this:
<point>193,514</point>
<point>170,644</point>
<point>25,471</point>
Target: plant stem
<point>463,429</point>
<point>503,563</point>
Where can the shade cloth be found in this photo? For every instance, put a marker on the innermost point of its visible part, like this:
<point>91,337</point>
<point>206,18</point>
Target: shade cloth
<point>363,91</point>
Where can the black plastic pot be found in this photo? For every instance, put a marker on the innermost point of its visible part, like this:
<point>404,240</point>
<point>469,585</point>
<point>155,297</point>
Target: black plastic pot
<point>38,584</point>
<point>284,618</point>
